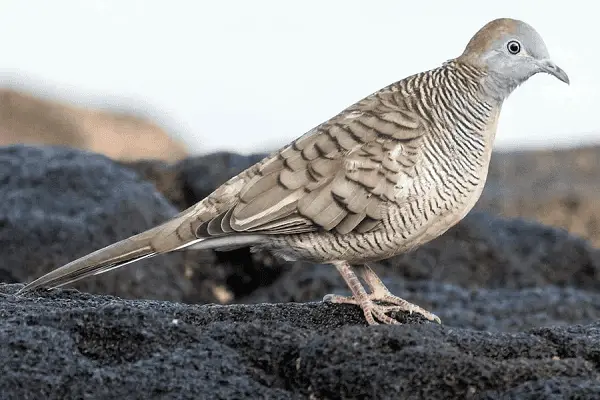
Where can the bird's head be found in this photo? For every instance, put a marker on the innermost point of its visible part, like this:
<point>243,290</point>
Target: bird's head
<point>510,51</point>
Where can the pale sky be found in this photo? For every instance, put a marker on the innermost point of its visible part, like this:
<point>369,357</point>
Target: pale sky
<point>248,75</point>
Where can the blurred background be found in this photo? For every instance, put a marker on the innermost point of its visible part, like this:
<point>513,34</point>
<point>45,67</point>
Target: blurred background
<point>154,79</point>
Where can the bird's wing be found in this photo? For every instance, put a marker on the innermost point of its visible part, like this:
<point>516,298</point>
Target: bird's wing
<point>339,176</point>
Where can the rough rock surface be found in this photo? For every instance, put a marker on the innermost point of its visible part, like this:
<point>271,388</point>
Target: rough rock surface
<point>189,181</point>
<point>72,345</point>
<point>59,204</point>
<point>518,300</point>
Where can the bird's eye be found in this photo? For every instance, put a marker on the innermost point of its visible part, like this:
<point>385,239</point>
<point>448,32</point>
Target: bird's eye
<point>513,47</point>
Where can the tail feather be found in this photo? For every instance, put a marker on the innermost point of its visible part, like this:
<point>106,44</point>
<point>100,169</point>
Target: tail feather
<point>161,239</point>
<point>98,262</point>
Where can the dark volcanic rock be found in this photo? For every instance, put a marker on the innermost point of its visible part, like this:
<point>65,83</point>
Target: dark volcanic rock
<point>59,204</point>
<point>72,345</point>
<point>190,180</point>
<point>167,180</point>
<point>203,174</point>
<point>518,300</point>
<point>497,309</point>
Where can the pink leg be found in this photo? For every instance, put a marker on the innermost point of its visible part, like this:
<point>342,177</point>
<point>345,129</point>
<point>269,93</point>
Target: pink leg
<point>381,293</point>
<point>360,296</point>
<point>369,302</point>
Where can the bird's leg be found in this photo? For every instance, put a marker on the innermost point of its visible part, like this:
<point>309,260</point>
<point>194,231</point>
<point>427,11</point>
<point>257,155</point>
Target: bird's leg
<point>380,293</point>
<point>371,302</point>
<point>360,296</point>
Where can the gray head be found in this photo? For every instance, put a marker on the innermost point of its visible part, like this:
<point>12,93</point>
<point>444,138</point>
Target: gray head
<point>511,52</point>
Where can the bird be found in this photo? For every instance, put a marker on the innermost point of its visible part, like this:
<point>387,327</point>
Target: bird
<point>382,177</point>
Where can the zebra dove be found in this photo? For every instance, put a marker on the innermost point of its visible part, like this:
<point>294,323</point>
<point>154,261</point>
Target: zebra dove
<point>385,175</point>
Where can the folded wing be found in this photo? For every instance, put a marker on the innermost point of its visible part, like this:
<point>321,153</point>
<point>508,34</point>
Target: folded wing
<point>337,177</point>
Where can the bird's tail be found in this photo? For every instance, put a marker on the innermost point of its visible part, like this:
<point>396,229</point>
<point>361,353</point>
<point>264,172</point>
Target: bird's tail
<point>161,239</point>
<point>116,255</point>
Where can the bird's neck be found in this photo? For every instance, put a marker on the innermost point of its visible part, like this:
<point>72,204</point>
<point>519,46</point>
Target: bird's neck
<point>497,88</point>
<point>475,95</point>
<point>460,103</point>
<point>493,87</point>
<point>467,111</point>
<point>463,126</point>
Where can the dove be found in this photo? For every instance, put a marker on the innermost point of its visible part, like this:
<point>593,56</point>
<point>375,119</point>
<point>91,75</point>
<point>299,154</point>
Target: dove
<point>382,177</point>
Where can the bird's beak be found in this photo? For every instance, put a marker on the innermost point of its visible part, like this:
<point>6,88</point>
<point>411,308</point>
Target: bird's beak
<point>549,67</point>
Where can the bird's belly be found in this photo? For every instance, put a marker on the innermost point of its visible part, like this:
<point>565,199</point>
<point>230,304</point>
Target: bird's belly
<point>446,219</point>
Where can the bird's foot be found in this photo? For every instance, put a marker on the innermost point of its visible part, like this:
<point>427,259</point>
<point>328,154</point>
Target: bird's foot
<point>376,308</point>
<point>404,305</point>
<point>377,304</point>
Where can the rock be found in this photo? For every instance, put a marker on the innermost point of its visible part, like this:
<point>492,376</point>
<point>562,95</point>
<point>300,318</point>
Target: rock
<point>59,204</point>
<point>189,181</point>
<point>27,119</point>
<point>480,252</point>
<point>519,302</point>
<point>204,174</point>
<point>485,309</point>
<point>67,344</point>
<point>167,179</point>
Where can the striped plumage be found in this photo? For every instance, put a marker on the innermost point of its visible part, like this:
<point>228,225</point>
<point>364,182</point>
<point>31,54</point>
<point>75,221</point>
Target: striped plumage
<point>420,183</point>
<point>382,177</point>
